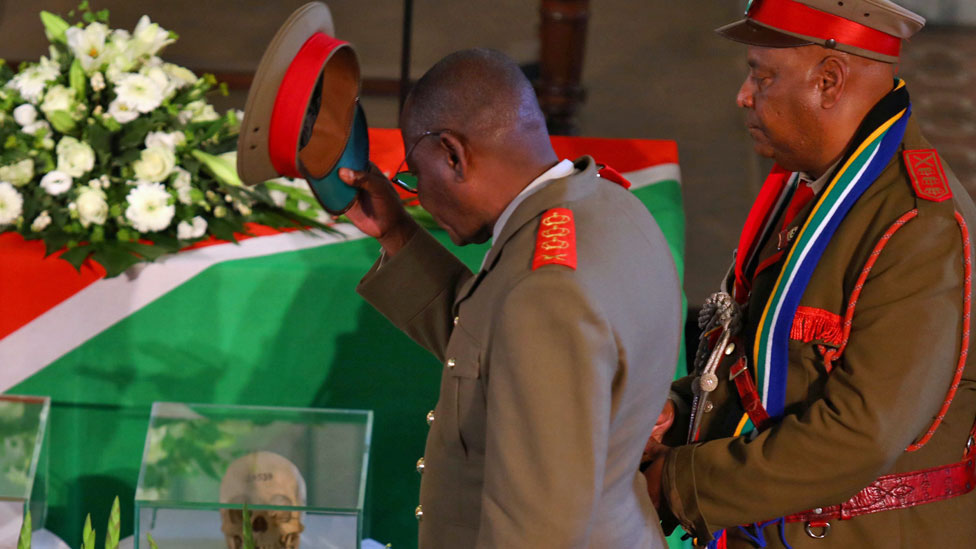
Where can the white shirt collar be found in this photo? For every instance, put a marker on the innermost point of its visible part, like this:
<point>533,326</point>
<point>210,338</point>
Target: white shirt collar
<point>562,169</point>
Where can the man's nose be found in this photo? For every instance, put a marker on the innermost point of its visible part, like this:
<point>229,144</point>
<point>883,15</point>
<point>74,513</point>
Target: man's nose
<point>744,97</point>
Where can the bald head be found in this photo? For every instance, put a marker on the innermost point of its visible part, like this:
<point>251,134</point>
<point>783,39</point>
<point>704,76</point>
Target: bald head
<point>479,93</point>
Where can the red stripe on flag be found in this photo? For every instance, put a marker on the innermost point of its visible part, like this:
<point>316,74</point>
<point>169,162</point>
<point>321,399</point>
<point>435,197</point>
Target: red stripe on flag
<point>624,155</point>
<point>31,284</point>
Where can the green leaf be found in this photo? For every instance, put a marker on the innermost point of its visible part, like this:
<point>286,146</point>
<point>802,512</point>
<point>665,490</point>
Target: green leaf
<point>61,121</point>
<point>100,140</point>
<point>115,258</point>
<point>148,252</point>
<point>152,542</point>
<point>114,524</point>
<point>220,167</point>
<point>135,132</point>
<point>25,533</point>
<point>166,242</point>
<point>54,27</point>
<point>222,229</point>
<point>246,529</point>
<point>88,535</point>
<point>54,241</point>
<point>76,77</point>
<point>77,255</point>
<point>111,124</point>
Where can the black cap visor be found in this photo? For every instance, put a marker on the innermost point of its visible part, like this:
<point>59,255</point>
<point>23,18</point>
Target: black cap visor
<point>747,31</point>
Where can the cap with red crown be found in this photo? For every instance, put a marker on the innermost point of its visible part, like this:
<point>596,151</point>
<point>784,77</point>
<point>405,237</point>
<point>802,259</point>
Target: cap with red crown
<point>868,28</point>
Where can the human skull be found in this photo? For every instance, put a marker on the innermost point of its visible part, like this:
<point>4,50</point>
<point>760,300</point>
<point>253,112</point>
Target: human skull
<point>263,478</point>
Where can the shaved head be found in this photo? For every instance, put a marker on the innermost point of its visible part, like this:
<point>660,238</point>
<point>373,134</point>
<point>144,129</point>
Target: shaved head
<point>480,93</point>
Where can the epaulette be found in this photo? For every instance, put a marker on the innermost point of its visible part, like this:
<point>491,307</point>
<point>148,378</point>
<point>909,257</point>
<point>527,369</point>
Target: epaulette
<point>928,177</point>
<point>555,243</point>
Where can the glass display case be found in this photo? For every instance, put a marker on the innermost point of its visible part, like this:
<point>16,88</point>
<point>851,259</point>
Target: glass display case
<point>24,451</point>
<point>300,471</point>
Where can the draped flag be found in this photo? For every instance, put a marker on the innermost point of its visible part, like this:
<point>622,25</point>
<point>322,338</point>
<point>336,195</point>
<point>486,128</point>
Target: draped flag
<point>273,320</point>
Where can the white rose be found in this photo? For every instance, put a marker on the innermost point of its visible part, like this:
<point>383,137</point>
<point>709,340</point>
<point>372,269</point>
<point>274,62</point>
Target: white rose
<point>39,127</point>
<point>59,98</point>
<point>19,173</point>
<point>182,182</point>
<point>31,81</point>
<point>88,44</point>
<point>148,37</point>
<point>56,182</point>
<point>41,222</point>
<point>169,140</point>
<point>92,207</point>
<point>122,112</point>
<point>149,207</point>
<point>97,82</point>
<point>188,231</point>
<point>11,203</point>
<point>75,157</point>
<point>139,92</point>
<point>154,164</point>
<point>25,114</point>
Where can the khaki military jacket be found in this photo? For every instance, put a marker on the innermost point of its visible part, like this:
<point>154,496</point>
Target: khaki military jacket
<point>552,378</point>
<point>844,428</point>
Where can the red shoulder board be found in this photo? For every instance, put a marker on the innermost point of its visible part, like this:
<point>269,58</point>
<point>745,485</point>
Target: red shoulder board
<point>925,168</point>
<point>555,244</point>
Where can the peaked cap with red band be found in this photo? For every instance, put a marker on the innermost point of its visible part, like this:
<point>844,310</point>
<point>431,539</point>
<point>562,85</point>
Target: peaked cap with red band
<point>868,28</point>
<point>302,117</point>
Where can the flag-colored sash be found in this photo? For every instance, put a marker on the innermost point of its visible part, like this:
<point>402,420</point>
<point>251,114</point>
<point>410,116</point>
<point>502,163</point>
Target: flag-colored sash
<point>877,142</point>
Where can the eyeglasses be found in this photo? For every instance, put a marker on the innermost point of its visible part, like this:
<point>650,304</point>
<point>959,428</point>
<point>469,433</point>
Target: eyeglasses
<point>402,177</point>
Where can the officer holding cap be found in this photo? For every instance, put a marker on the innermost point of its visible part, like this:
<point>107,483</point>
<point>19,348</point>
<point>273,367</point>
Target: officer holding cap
<point>834,393</point>
<point>557,352</point>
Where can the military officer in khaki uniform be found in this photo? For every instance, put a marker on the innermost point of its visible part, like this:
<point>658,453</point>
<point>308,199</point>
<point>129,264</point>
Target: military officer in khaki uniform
<point>834,397</point>
<point>557,354</point>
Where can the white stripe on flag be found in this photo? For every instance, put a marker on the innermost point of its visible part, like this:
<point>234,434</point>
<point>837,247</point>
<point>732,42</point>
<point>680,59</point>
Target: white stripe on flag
<point>109,300</point>
<point>648,176</point>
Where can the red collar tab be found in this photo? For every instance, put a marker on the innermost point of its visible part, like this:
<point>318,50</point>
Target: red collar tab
<point>928,177</point>
<point>292,101</point>
<point>610,174</point>
<point>797,18</point>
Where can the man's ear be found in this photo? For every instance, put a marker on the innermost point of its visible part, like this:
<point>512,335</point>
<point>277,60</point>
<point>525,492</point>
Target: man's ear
<point>832,78</point>
<point>456,155</point>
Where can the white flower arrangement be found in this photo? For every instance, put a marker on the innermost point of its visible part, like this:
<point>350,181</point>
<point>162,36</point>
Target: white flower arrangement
<point>113,154</point>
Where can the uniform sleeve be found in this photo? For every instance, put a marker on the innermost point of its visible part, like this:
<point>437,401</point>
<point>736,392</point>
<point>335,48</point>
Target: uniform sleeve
<point>415,290</point>
<point>553,357</point>
<point>891,380</point>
